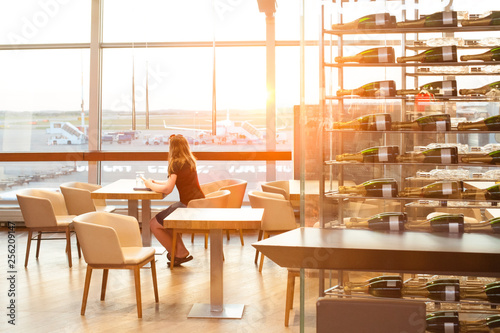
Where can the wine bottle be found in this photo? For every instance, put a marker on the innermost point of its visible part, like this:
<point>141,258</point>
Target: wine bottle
<point>382,154</point>
<point>391,221</point>
<point>448,292</point>
<point>379,288</point>
<point>384,187</point>
<point>450,223</point>
<point>439,19</point>
<point>437,190</point>
<point>433,122</point>
<point>492,19</point>
<point>437,88</point>
<point>489,193</point>
<point>482,90</point>
<point>490,158</point>
<point>491,55</point>
<point>442,322</point>
<point>371,122</point>
<point>490,292</point>
<point>372,89</point>
<point>379,55</point>
<point>357,284</point>
<point>441,155</point>
<point>435,54</point>
<point>489,124</point>
<point>372,21</point>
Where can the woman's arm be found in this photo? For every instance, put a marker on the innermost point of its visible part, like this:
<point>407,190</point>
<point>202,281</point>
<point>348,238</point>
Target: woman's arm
<point>162,187</point>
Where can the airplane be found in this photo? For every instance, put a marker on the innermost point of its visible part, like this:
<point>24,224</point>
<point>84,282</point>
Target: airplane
<point>227,131</point>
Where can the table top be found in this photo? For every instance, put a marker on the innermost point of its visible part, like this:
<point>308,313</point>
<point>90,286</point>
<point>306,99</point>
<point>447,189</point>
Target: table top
<point>214,218</point>
<point>124,189</point>
<point>365,250</point>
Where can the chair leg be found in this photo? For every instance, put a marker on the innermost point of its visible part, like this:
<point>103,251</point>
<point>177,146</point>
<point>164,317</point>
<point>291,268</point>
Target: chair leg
<point>38,241</point>
<point>257,251</point>
<point>104,283</point>
<point>155,283</point>
<point>28,247</point>
<point>174,246</point>
<point>68,246</point>
<point>192,237</point>
<point>261,255</point>
<point>241,238</point>
<point>227,235</point>
<point>206,240</point>
<point>290,289</point>
<point>78,248</point>
<point>86,289</point>
<point>137,276</point>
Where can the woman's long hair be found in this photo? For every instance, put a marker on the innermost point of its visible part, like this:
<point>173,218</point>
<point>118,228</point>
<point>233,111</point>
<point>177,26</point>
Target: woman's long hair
<point>180,153</point>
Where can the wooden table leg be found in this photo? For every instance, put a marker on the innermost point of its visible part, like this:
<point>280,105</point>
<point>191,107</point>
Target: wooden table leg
<point>145,217</point>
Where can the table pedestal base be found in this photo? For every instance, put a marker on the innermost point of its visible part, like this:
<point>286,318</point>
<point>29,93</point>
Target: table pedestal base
<point>229,311</point>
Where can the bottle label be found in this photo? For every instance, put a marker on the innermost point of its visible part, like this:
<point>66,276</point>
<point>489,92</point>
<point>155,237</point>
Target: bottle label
<point>386,191</point>
<point>447,18</point>
<point>383,56</point>
<point>380,122</point>
<point>394,223</point>
<point>441,125</point>
<point>446,88</point>
<point>446,158</point>
<point>447,189</point>
<point>380,19</point>
<point>383,154</point>
<point>447,53</point>
<point>453,228</point>
<point>391,283</point>
<point>449,293</point>
<point>449,328</point>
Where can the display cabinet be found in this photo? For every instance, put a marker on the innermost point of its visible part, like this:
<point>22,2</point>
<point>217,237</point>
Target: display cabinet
<point>409,104</point>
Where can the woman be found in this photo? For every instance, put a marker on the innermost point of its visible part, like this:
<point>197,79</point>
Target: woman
<point>181,173</point>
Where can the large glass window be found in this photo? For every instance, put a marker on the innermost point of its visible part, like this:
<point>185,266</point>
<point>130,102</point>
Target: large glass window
<point>46,21</point>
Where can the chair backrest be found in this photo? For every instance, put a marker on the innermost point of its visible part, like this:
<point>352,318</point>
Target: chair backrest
<point>217,199</point>
<point>40,207</point>
<point>278,186</point>
<point>237,187</point>
<point>78,198</point>
<point>103,235</point>
<point>278,211</point>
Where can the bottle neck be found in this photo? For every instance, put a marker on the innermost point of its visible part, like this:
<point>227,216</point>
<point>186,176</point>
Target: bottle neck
<point>412,157</point>
<point>484,57</point>
<point>405,125</point>
<point>479,159</point>
<point>411,192</point>
<point>349,157</point>
<point>479,91</point>
<point>403,92</point>
<point>479,227</point>
<point>417,57</point>
<point>347,92</point>
<point>474,194</point>
<point>354,58</point>
<point>472,126</point>
<point>357,224</point>
<point>360,190</point>
<point>411,24</point>
<point>478,22</point>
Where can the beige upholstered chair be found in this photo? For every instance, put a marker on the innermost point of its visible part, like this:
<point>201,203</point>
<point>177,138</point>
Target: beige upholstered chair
<point>45,211</point>
<point>78,200</point>
<point>237,187</point>
<point>217,199</point>
<point>113,241</point>
<point>282,187</point>
<point>278,216</point>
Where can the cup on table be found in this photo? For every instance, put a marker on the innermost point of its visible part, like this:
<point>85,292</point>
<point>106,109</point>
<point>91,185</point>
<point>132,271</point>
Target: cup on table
<point>139,182</point>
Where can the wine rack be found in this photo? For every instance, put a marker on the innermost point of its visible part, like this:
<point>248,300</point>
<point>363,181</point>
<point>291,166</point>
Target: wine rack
<point>336,109</point>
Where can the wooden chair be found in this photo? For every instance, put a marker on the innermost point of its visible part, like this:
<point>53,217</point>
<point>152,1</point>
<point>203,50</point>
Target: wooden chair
<point>113,241</point>
<point>237,187</point>
<point>45,211</point>
<point>278,216</point>
<point>78,200</point>
<point>217,199</point>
